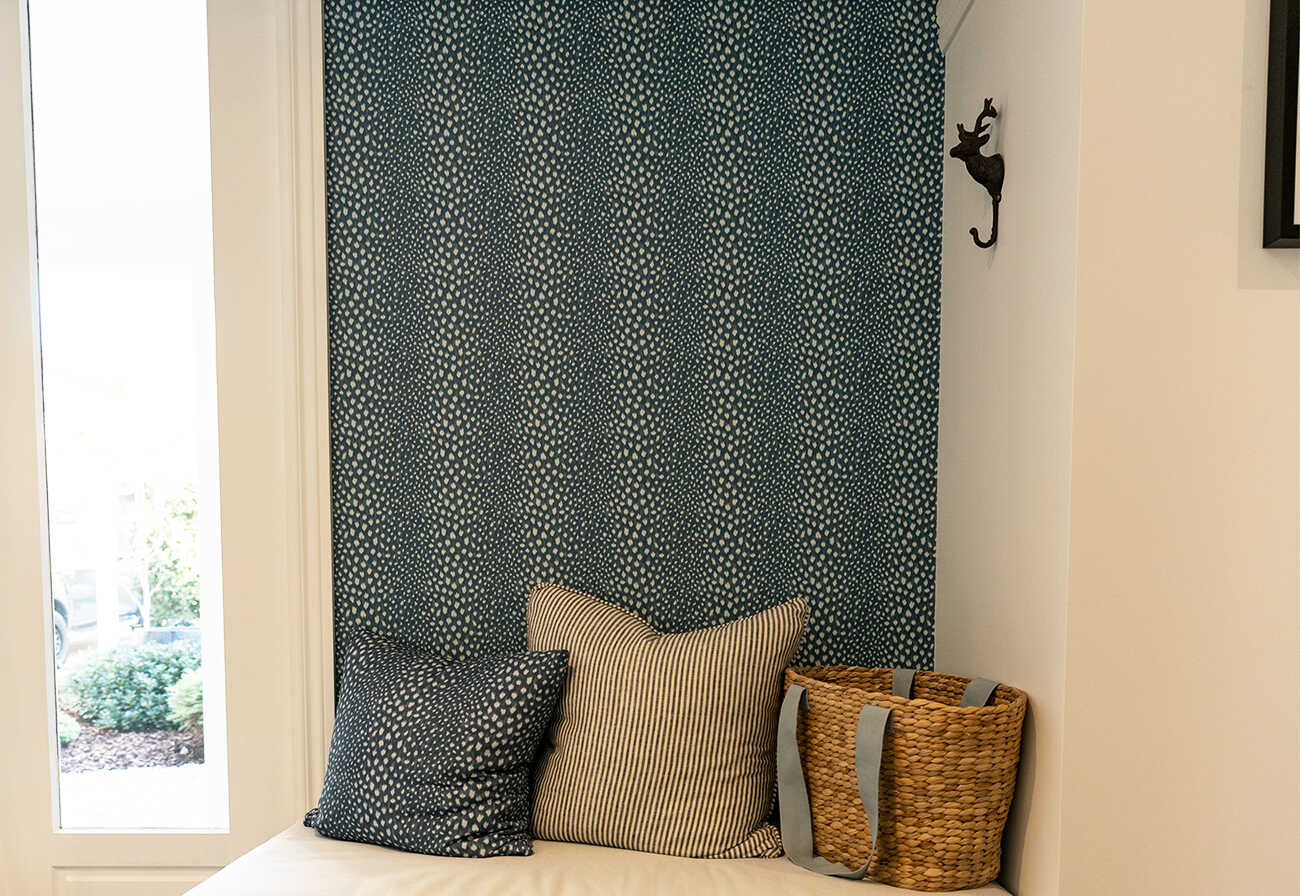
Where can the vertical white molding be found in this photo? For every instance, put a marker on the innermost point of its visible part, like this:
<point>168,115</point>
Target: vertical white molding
<point>307,372</point>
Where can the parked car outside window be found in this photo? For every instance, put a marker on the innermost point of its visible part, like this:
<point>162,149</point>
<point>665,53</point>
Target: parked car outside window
<point>74,609</point>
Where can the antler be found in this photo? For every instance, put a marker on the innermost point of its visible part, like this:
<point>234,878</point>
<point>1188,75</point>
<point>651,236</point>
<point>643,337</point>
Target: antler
<point>989,112</point>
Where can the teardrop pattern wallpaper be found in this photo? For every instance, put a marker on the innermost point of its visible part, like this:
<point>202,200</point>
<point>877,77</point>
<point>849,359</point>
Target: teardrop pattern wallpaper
<point>640,297</point>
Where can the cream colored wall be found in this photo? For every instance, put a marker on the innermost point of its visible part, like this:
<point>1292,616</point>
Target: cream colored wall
<point>1006,383</point>
<point>1183,720</point>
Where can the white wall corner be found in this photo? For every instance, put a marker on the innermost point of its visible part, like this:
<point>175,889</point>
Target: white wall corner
<point>951,15</point>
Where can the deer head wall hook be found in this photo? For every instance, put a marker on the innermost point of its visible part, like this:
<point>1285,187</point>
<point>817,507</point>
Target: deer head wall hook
<point>988,171</point>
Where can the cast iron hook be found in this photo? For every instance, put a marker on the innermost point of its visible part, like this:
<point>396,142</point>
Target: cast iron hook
<point>988,171</point>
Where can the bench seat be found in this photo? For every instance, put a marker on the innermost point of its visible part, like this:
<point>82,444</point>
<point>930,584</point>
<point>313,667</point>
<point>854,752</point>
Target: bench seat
<point>300,861</point>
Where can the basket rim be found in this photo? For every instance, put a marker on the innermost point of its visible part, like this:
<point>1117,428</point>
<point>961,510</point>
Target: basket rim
<point>1019,698</point>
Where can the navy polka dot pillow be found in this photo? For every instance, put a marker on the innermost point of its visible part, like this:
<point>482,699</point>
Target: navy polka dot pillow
<point>435,756</point>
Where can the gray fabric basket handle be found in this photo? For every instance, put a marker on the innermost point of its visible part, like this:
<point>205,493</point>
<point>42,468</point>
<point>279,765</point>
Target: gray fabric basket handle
<point>977,693</point>
<point>903,683</point>
<point>869,748</point>
<point>796,816</point>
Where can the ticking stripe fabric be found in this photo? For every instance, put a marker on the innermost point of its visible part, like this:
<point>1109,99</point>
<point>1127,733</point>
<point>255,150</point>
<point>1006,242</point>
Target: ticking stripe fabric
<point>663,742</point>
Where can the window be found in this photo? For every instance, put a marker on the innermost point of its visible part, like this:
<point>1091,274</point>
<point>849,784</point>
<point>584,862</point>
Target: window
<point>124,239</point>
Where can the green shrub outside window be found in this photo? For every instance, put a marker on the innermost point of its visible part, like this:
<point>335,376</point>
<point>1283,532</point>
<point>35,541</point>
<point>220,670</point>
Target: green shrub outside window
<point>127,687</point>
<point>185,700</point>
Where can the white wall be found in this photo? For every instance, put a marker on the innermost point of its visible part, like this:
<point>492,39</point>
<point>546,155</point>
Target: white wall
<point>1119,463</point>
<point>1182,759</point>
<point>1006,384</point>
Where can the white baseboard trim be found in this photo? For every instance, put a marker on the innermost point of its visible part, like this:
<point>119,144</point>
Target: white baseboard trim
<point>127,881</point>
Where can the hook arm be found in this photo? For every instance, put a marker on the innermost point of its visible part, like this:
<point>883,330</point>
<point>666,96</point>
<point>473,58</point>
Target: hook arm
<point>993,234</point>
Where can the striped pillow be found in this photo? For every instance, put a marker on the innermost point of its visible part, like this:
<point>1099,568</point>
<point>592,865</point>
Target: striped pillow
<point>663,742</point>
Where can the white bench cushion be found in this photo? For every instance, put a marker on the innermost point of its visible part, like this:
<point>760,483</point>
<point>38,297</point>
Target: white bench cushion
<point>300,861</point>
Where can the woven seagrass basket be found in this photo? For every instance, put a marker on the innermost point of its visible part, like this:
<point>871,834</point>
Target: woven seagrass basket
<point>947,774</point>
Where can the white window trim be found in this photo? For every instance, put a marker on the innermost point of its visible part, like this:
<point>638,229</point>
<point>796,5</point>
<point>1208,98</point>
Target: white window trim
<point>297,565</point>
<point>306,328</point>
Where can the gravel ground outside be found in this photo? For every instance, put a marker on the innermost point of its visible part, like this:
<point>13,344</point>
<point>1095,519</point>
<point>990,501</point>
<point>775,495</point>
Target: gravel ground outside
<point>98,748</point>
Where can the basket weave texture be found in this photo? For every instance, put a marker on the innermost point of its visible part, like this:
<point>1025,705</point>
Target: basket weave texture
<point>947,775</point>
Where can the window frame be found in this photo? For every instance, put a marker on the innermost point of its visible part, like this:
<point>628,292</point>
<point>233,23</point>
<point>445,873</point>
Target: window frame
<point>265,72</point>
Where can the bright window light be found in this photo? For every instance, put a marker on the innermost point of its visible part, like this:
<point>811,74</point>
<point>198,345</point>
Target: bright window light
<point>124,237</point>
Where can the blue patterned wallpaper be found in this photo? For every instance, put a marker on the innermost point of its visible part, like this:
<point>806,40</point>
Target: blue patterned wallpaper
<point>638,297</point>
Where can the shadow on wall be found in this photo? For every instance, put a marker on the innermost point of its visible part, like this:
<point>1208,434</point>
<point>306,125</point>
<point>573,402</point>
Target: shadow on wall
<point>1013,836</point>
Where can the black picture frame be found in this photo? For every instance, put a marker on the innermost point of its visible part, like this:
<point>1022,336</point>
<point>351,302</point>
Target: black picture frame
<point>1280,228</point>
